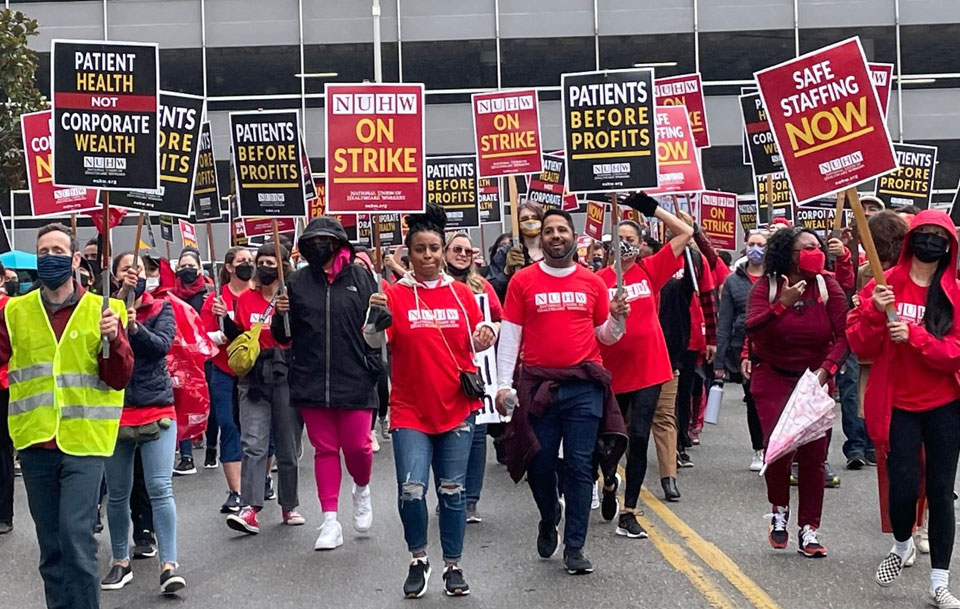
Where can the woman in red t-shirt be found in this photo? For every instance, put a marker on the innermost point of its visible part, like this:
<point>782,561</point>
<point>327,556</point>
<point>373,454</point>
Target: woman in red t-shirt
<point>912,401</point>
<point>436,329</point>
<point>265,400</point>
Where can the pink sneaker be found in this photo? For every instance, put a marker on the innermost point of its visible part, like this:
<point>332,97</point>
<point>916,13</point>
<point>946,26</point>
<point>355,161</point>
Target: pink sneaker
<point>293,518</point>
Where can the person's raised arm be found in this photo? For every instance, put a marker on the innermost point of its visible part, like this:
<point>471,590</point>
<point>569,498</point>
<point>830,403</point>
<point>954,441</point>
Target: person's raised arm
<point>648,206</point>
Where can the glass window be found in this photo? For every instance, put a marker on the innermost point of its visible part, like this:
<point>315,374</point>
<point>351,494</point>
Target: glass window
<point>451,64</point>
<point>625,51</point>
<point>181,70</point>
<point>539,62</point>
<point>43,73</point>
<point>879,43</point>
<point>253,70</point>
<point>723,169</point>
<point>351,62</point>
<point>930,49</point>
<point>737,55</point>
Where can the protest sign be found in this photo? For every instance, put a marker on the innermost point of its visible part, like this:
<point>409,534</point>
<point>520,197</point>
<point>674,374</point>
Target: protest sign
<point>815,218</point>
<point>488,200</point>
<point>188,234</point>
<point>45,198</point>
<point>506,125</point>
<point>390,228</point>
<point>267,163</point>
<point>486,362</point>
<point>761,147</point>
<point>105,114</point>
<point>882,76</point>
<point>309,186</point>
<point>318,205</point>
<point>687,91</point>
<point>452,184</point>
<point>206,191</point>
<point>259,227</point>
<point>781,198</point>
<point>718,218</point>
<point>747,212</point>
<point>375,148</point>
<point>677,159</point>
<point>547,187</point>
<point>179,144</point>
<point>608,126</point>
<point>912,182</point>
<point>364,229</point>
<point>349,223</point>
<point>746,143</point>
<point>826,119</point>
<point>166,228</point>
<point>596,213</point>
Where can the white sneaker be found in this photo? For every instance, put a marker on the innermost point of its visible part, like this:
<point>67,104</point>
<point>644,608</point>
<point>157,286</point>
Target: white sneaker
<point>756,464</point>
<point>374,442</point>
<point>595,499</point>
<point>331,536</point>
<point>362,509</point>
<point>921,537</point>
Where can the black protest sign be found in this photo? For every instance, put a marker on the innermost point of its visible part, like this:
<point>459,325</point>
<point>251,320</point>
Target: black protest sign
<point>764,154</point>
<point>105,114</point>
<point>781,199</point>
<point>309,188</point>
<point>547,187</point>
<point>390,228</point>
<point>206,191</point>
<point>815,218</point>
<point>489,201</point>
<point>746,144</point>
<point>912,182</point>
<point>180,117</point>
<point>608,126</point>
<point>166,228</point>
<point>364,230</point>
<point>267,163</point>
<point>747,212</point>
<point>452,184</point>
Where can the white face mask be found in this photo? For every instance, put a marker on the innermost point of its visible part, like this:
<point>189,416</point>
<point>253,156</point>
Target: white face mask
<point>152,283</point>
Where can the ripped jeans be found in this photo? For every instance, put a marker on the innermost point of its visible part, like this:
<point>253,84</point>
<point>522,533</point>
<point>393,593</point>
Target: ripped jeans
<point>413,453</point>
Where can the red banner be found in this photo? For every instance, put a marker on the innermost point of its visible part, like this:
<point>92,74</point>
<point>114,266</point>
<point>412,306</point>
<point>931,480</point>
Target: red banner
<point>45,198</point>
<point>507,129</point>
<point>686,90</point>
<point>718,218</point>
<point>882,76</point>
<point>596,212</point>
<point>258,227</point>
<point>188,234</point>
<point>318,205</point>
<point>677,160</point>
<point>825,115</point>
<point>375,148</point>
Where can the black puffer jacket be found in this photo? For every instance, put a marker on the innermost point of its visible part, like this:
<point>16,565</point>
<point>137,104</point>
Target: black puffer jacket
<point>150,384</point>
<point>732,318</point>
<point>331,366</point>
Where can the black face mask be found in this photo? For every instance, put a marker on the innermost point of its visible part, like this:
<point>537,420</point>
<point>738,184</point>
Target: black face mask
<point>317,253</point>
<point>140,289</point>
<point>13,288</point>
<point>244,271</point>
<point>928,247</point>
<point>187,275</point>
<point>266,275</point>
<point>457,272</point>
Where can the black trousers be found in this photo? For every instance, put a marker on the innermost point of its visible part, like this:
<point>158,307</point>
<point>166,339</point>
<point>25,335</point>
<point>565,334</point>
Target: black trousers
<point>637,408</point>
<point>689,396</point>
<point>6,461</point>
<point>937,433</point>
<point>753,420</point>
<point>141,512</point>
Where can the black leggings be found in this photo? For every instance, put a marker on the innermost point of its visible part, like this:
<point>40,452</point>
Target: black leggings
<point>689,396</point>
<point>753,419</point>
<point>637,408</point>
<point>937,433</point>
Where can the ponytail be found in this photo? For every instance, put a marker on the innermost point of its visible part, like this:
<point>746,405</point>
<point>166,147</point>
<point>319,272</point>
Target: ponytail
<point>228,258</point>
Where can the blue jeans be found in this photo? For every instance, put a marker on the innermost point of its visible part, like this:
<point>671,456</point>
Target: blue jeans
<point>857,444</point>
<point>414,452</point>
<point>477,464</point>
<point>221,401</point>
<point>574,417</point>
<point>63,492</point>
<point>157,456</point>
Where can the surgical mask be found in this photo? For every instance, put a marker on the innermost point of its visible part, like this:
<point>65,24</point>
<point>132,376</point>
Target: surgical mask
<point>811,261</point>
<point>566,257</point>
<point>318,253</point>
<point>152,284</point>
<point>458,272</point>
<point>267,275</point>
<point>928,247</point>
<point>140,289</point>
<point>53,270</point>
<point>755,253</point>
<point>530,228</point>
<point>628,250</point>
<point>187,275</point>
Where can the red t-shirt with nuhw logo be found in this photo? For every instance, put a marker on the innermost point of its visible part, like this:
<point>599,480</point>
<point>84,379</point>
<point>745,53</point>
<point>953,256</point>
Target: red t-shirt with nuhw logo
<point>558,316</point>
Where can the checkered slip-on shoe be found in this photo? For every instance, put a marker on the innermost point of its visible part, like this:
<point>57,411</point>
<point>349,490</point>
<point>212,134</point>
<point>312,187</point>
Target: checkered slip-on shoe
<point>890,569</point>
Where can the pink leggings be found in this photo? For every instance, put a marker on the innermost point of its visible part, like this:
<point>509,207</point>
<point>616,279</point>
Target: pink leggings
<point>331,430</point>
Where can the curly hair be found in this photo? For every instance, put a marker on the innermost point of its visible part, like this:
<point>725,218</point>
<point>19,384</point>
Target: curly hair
<point>779,257</point>
<point>888,230</point>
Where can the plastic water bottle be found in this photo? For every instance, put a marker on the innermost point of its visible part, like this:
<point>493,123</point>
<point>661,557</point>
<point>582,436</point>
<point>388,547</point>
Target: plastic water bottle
<point>510,403</point>
<point>712,414</point>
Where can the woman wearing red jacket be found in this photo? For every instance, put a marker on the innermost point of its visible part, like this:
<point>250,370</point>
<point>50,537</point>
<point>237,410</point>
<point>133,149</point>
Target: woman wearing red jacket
<point>912,402</point>
<point>797,324</point>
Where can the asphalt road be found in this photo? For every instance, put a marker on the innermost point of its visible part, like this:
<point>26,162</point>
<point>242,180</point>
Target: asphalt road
<point>709,550</point>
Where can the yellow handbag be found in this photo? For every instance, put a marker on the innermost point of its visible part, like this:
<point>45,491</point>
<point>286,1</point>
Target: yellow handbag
<point>244,350</point>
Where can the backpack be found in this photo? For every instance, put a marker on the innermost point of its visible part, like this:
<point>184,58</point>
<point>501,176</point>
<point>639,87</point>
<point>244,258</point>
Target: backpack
<point>821,286</point>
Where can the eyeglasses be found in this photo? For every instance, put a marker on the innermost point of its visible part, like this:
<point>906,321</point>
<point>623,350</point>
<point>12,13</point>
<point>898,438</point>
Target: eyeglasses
<point>459,250</point>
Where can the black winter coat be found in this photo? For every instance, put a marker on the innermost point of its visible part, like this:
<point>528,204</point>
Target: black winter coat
<point>150,384</point>
<point>733,318</point>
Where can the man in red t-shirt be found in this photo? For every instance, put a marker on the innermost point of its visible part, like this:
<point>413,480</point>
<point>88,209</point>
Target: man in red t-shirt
<point>555,313</point>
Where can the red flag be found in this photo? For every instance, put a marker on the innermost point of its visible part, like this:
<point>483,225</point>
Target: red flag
<point>116,215</point>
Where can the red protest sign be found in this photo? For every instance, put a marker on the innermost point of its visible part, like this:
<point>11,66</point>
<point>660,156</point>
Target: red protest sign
<point>45,198</point>
<point>375,148</point>
<point>718,218</point>
<point>826,119</point>
<point>685,90</point>
<point>188,234</point>
<point>318,205</point>
<point>506,125</point>
<point>258,227</point>
<point>882,76</point>
<point>677,161</point>
<point>596,212</point>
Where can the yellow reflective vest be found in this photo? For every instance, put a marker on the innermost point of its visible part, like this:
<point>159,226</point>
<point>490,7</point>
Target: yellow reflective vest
<point>55,387</point>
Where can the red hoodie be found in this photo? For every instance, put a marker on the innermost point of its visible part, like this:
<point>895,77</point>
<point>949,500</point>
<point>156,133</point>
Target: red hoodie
<point>924,372</point>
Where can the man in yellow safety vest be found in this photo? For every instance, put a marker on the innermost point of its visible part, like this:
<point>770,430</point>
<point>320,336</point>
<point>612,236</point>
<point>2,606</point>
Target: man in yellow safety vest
<point>64,413</point>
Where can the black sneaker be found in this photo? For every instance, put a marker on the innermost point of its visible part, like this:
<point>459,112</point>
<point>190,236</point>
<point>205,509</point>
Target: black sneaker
<point>683,459</point>
<point>778,534</point>
<point>473,516</point>
<point>144,546</point>
<point>794,479</point>
<point>629,527</point>
<point>575,562</point>
<point>609,505</point>
<point>856,462</point>
<point>170,582</point>
<point>417,578</point>
<point>17,472</point>
<point>6,527</point>
<point>185,467</point>
<point>232,504</point>
<point>831,480</point>
<point>268,492</point>
<point>870,457</point>
<point>210,460</point>
<point>453,582</point>
<point>500,450</point>
<point>549,537</point>
<point>118,577</point>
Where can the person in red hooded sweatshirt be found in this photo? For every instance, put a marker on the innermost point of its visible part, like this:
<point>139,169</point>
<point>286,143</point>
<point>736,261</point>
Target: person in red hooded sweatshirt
<point>912,402</point>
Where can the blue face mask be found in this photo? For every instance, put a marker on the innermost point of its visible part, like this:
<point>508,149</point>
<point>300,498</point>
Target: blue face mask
<point>755,253</point>
<point>53,270</point>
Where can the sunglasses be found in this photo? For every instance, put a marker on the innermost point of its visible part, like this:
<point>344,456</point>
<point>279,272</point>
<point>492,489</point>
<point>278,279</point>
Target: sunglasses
<point>459,250</point>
